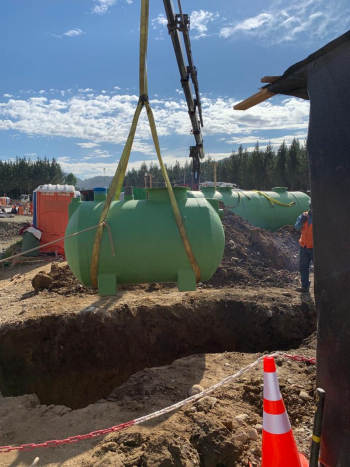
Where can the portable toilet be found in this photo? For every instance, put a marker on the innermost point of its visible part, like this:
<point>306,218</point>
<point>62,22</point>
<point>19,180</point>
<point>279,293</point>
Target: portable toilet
<point>51,213</point>
<point>4,201</point>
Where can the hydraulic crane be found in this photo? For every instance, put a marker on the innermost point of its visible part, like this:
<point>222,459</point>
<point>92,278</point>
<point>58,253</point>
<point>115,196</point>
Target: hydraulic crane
<point>180,23</point>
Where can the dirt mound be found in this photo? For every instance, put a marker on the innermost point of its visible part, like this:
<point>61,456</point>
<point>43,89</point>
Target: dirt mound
<point>223,429</point>
<point>10,227</point>
<point>310,342</point>
<point>60,280</point>
<point>9,235</point>
<point>254,256</point>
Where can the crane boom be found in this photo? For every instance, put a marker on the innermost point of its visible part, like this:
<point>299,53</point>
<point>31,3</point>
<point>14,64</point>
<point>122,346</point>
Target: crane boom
<point>176,24</point>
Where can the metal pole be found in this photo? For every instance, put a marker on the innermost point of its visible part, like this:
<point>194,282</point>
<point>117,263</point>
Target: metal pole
<point>215,178</point>
<point>316,434</point>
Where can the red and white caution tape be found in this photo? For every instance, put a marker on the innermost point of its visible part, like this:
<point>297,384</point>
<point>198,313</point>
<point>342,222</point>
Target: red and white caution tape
<point>146,418</point>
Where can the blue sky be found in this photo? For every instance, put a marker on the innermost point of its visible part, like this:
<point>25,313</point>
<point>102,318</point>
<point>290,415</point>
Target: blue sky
<point>69,80</point>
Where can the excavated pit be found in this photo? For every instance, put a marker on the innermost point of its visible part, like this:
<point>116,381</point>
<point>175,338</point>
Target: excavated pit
<point>78,357</point>
<point>70,347</point>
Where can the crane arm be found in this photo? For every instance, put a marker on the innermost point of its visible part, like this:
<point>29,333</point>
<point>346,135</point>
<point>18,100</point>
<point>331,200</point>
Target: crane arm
<point>181,23</point>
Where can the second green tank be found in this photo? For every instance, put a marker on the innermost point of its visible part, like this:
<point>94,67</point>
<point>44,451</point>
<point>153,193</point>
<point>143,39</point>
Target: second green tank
<point>268,210</point>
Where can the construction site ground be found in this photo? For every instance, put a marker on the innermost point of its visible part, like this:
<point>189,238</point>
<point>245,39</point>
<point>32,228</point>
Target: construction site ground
<point>72,362</point>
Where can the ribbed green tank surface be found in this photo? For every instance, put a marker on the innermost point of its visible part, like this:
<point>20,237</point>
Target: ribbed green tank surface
<point>257,208</point>
<point>147,243</point>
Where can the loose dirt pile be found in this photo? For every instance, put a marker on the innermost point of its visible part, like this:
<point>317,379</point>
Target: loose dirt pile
<point>9,231</point>
<point>60,280</point>
<point>256,257</point>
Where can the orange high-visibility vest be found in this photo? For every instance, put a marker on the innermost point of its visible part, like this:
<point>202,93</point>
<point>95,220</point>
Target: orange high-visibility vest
<point>306,238</point>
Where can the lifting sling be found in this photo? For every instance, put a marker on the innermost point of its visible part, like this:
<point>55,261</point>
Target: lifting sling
<point>117,182</point>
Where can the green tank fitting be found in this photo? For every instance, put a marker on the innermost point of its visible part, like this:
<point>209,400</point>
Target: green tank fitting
<point>100,194</point>
<point>128,193</point>
<point>73,205</point>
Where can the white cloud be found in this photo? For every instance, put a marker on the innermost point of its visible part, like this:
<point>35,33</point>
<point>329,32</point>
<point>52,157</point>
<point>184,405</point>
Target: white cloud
<point>87,145</point>
<point>249,24</point>
<point>85,90</point>
<point>107,119</point>
<point>98,154</point>
<point>87,169</point>
<point>297,19</point>
<point>159,21</point>
<point>7,95</point>
<point>71,33</point>
<point>74,32</point>
<point>31,154</point>
<point>58,36</point>
<point>101,6</point>
<point>263,141</point>
<point>200,20</point>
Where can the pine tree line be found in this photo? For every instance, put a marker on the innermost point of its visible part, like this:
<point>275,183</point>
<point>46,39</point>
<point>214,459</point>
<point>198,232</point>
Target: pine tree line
<point>22,175</point>
<point>258,170</point>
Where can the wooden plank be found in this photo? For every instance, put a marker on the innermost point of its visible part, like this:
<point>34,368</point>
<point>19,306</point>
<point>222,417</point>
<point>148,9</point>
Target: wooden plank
<point>269,79</point>
<point>257,98</point>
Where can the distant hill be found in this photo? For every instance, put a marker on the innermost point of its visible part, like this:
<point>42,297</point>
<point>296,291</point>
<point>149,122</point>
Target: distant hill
<point>93,182</point>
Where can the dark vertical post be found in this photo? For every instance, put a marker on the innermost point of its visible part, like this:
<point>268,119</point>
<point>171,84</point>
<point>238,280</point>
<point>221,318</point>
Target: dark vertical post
<point>317,430</point>
<point>329,155</point>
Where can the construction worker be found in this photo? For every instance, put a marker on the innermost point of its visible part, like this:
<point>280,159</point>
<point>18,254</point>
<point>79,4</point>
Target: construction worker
<point>306,250</point>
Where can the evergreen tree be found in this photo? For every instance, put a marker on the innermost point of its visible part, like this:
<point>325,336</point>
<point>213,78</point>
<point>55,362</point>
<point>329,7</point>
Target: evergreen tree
<point>257,161</point>
<point>303,169</point>
<point>269,165</point>
<point>280,178</point>
<point>22,176</point>
<point>142,179</point>
<point>247,179</point>
<point>293,160</point>
<point>70,179</point>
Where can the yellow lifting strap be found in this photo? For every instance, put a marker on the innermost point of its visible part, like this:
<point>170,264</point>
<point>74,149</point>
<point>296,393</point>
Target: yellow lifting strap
<point>240,198</point>
<point>274,201</point>
<point>117,182</point>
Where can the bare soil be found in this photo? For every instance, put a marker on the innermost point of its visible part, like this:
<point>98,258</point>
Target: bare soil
<point>254,256</point>
<point>9,230</point>
<point>72,362</point>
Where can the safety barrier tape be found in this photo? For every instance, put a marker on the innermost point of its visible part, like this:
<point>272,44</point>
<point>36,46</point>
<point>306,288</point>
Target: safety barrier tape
<point>299,358</point>
<point>158,413</point>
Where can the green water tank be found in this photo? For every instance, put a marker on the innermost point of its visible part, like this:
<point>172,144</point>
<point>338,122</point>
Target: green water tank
<point>257,208</point>
<point>148,247</point>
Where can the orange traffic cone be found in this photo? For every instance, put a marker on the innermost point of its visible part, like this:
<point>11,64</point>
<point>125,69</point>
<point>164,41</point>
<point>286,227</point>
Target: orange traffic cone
<point>278,444</point>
